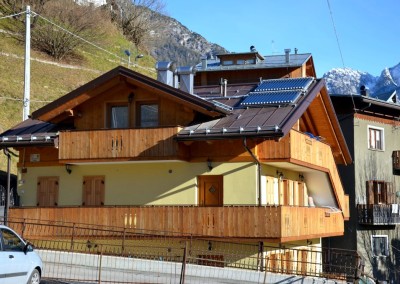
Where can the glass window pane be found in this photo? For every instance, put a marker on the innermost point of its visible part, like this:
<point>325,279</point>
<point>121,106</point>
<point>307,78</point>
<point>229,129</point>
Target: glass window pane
<point>11,241</point>
<point>119,117</point>
<point>149,115</point>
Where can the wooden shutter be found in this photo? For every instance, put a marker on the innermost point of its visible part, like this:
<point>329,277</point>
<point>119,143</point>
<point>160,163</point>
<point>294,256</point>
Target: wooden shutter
<point>93,191</point>
<point>370,191</point>
<point>396,160</point>
<point>390,197</point>
<point>47,191</point>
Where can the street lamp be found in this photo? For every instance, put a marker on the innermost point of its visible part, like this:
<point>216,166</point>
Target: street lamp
<point>137,57</point>
<point>128,53</point>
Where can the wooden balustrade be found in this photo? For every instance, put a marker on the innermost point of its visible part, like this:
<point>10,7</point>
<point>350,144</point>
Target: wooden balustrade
<point>275,223</point>
<point>299,148</point>
<point>118,144</point>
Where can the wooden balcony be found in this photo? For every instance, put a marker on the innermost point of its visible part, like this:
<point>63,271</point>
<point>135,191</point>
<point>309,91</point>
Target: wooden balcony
<point>378,214</point>
<point>271,223</point>
<point>300,149</point>
<point>128,144</point>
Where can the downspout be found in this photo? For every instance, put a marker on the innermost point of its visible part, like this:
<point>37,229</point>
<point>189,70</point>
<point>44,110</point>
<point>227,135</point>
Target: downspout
<point>258,169</point>
<point>7,205</point>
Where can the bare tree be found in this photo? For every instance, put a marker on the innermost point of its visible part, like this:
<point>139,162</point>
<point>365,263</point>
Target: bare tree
<point>137,18</point>
<point>60,26</point>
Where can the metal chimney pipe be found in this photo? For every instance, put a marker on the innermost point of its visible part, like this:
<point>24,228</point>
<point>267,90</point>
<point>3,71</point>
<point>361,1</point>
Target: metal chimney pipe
<point>186,75</point>
<point>165,72</point>
<point>287,55</point>
<point>204,62</point>
<point>225,87</point>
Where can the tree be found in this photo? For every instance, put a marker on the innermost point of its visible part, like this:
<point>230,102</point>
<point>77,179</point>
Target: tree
<point>137,18</point>
<point>59,26</point>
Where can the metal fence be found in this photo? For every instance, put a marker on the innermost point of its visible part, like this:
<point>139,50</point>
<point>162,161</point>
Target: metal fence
<point>95,254</point>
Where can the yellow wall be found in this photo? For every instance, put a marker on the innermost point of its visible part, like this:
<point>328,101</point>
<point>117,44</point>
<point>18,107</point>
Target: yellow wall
<point>157,183</point>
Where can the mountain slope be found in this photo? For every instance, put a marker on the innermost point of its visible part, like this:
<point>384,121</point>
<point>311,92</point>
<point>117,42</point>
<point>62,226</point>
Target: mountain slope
<point>347,81</point>
<point>172,41</point>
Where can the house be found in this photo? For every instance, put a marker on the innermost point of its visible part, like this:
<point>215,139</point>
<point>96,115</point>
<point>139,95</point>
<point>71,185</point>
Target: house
<point>252,157</point>
<point>371,127</point>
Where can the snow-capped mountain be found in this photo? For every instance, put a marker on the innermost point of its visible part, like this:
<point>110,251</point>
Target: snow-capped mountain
<point>345,81</point>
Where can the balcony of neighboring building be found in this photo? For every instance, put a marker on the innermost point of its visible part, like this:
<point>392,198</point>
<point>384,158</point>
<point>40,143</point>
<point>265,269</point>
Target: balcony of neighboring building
<point>378,214</point>
<point>381,207</point>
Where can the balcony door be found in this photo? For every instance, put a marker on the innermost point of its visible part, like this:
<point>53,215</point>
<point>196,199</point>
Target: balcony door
<point>47,191</point>
<point>93,191</point>
<point>210,190</point>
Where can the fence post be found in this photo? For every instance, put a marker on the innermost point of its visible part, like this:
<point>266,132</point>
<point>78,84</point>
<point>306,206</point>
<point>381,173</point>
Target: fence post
<point>72,237</point>
<point>123,242</point>
<point>100,264</point>
<point>23,228</point>
<point>182,279</point>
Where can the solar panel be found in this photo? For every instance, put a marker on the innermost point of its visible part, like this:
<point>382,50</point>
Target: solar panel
<point>271,98</point>
<point>284,84</point>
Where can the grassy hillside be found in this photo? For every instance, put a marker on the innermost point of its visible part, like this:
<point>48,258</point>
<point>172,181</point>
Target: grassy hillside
<point>49,79</point>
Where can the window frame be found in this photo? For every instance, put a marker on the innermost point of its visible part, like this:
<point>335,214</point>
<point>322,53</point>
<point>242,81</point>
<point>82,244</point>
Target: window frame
<point>109,108</point>
<point>139,113</point>
<point>382,138</point>
<point>386,245</point>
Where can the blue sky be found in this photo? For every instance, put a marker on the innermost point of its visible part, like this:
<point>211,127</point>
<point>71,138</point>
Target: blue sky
<point>368,30</point>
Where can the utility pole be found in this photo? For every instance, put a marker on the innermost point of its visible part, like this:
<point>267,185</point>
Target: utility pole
<point>27,82</point>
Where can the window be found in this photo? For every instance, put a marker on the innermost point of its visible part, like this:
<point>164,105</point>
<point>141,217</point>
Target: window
<point>118,116</point>
<point>227,62</point>
<point>240,61</point>
<point>11,241</point>
<point>375,138</point>
<point>379,245</point>
<point>147,115</point>
<point>380,192</point>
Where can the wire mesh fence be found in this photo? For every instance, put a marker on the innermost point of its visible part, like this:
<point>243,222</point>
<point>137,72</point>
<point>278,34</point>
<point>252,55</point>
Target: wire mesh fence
<point>81,253</point>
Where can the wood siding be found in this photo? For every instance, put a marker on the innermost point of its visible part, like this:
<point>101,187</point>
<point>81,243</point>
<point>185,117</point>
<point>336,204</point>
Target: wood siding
<point>298,148</point>
<point>274,223</point>
<point>119,144</point>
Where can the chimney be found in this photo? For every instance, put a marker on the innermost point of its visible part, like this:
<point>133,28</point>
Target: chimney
<point>295,50</point>
<point>186,75</point>
<point>287,55</point>
<point>225,87</point>
<point>165,72</point>
<point>204,62</point>
<point>364,91</point>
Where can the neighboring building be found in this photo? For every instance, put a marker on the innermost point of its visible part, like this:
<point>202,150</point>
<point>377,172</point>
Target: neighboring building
<point>372,130</point>
<point>251,158</point>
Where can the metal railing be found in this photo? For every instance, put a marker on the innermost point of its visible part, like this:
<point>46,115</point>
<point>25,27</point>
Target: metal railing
<point>378,214</point>
<point>78,252</point>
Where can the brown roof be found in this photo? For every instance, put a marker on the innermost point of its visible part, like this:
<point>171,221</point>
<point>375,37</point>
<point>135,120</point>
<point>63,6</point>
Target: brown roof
<point>65,102</point>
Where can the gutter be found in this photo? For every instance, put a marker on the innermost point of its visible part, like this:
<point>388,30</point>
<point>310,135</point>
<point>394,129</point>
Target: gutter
<point>258,169</point>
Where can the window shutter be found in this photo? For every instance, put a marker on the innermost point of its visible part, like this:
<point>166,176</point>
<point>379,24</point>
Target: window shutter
<point>390,198</point>
<point>396,160</point>
<point>370,191</point>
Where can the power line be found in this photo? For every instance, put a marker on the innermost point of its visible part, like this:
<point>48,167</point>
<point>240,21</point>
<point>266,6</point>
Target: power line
<point>340,49</point>
<point>11,16</point>
<point>336,35</point>
<point>16,99</point>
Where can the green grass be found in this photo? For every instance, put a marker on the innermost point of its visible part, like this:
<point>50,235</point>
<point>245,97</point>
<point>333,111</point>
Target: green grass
<point>49,81</point>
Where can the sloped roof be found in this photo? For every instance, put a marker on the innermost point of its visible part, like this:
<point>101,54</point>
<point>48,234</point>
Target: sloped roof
<point>113,77</point>
<point>270,61</point>
<point>264,119</point>
<point>271,121</point>
<point>29,132</point>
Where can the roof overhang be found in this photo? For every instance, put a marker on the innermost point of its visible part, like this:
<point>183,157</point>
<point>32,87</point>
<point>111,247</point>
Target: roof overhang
<point>112,79</point>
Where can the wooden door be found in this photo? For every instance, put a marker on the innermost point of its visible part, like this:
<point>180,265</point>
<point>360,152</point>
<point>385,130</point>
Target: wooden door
<point>210,190</point>
<point>93,191</point>
<point>47,191</point>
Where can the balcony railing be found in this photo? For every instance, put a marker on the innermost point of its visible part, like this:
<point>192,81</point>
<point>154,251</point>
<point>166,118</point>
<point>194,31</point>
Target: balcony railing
<point>378,214</point>
<point>155,143</point>
<point>298,148</point>
<point>281,223</point>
